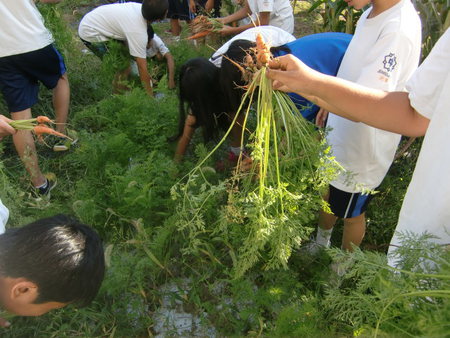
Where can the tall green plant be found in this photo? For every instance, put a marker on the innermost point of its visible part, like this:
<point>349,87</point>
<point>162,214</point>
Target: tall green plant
<point>336,15</point>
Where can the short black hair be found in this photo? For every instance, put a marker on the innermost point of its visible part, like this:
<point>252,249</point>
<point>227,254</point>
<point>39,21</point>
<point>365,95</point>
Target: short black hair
<point>199,89</point>
<point>153,10</point>
<point>63,257</point>
<point>150,32</point>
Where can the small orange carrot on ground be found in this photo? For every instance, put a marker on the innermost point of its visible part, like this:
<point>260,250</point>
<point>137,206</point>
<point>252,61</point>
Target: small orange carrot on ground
<point>199,35</point>
<point>43,119</point>
<point>41,129</point>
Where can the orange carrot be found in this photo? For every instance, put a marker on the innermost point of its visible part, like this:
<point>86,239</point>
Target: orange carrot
<point>199,35</point>
<point>262,50</point>
<point>43,119</point>
<point>43,129</point>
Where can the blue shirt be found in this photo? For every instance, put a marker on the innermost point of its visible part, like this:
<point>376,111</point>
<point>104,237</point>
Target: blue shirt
<point>322,52</point>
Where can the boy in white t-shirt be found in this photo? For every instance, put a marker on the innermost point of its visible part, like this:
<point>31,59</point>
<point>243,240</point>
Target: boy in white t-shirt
<point>126,22</point>
<point>27,57</point>
<point>276,13</point>
<point>423,110</point>
<point>383,53</point>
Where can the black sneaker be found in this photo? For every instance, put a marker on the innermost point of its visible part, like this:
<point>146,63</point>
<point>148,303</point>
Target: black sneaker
<point>50,184</point>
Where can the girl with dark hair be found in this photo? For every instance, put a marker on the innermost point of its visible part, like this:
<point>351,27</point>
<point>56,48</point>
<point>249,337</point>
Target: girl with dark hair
<point>322,52</point>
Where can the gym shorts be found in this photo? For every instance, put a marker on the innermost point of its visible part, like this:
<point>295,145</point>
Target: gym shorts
<point>20,75</point>
<point>346,204</point>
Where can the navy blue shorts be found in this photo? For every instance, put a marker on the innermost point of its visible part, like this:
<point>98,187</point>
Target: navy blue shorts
<point>346,204</point>
<point>179,9</point>
<point>20,75</point>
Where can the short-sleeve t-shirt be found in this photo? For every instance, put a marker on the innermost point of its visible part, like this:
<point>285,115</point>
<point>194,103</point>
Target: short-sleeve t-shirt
<point>120,21</point>
<point>274,36</point>
<point>426,206</point>
<point>322,52</point>
<point>383,54</point>
<point>157,46</point>
<point>4,214</point>
<point>22,28</point>
<point>281,13</point>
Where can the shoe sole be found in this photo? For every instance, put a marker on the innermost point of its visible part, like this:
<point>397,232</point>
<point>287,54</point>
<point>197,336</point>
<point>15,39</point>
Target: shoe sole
<point>58,148</point>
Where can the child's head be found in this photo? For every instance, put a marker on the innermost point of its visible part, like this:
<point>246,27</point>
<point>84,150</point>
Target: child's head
<point>231,77</point>
<point>199,89</point>
<point>49,264</point>
<point>153,10</point>
<point>358,4</point>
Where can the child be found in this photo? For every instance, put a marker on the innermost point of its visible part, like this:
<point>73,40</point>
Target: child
<point>179,10</point>
<point>27,57</point>
<point>157,49</point>
<point>383,54</point>
<point>276,13</point>
<point>127,22</point>
<point>423,110</point>
<point>49,264</point>
<point>322,51</point>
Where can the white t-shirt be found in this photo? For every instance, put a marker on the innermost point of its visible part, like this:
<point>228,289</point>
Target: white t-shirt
<point>157,45</point>
<point>4,214</point>
<point>22,28</point>
<point>426,206</point>
<point>122,22</point>
<point>383,54</point>
<point>274,36</point>
<point>281,13</point>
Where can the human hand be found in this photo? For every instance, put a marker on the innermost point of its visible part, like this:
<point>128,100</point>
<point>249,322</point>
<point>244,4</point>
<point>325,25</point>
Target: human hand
<point>209,5</point>
<point>5,127</point>
<point>171,84</point>
<point>289,74</point>
<point>321,118</point>
<point>192,7</point>
<point>226,30</point>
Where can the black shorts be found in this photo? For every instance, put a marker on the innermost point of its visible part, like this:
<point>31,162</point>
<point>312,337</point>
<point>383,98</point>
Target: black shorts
<point>179,9</point>
<point>20,75</point>
<point>346,204</point>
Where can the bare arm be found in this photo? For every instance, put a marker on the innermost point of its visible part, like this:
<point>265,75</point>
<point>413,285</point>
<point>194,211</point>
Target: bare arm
<point>185,139</point>
<point>144,75</point>
<point>238,15</point>
<point>388,111</point>
<point>170,70</point>
<point>263,19</point>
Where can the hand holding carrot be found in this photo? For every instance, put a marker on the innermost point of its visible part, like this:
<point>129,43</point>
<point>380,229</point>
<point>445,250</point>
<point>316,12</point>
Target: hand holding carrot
<point>5,127</point>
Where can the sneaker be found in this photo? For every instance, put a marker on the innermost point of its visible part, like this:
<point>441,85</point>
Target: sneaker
<point>313,248</point>
<point>64,144</point>
<point>50,184</point>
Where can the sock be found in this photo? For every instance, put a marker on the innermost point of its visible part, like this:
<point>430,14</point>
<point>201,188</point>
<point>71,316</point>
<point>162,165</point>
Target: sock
<point>323,237</point>
<point>236,150</point>
<point>43,186</point>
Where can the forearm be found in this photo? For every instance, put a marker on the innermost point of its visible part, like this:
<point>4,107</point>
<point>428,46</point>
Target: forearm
<point>170,67</point>
<point>145,76</point>
<point>240,14</point>
<point>383,110</point>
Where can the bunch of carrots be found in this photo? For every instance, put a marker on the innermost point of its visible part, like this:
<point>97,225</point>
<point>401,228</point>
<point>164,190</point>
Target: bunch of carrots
<point>38,126</point>
<point>202,26</point>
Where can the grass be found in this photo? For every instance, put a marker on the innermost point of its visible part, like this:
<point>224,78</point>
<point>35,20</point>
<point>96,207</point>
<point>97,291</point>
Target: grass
<point>118,180</point>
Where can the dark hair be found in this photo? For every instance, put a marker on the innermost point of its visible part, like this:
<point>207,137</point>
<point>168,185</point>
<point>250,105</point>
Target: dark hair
<point>231,79</point>
<point>62,256</point>
<point>199,90</point>
<point>150,32</point>
<point>153,10</point>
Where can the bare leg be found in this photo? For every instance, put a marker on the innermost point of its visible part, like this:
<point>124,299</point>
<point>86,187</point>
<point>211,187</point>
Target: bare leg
<point>119,82</point>
<point>24,143</point>
<point>175,27</point>
<point>61,100</point>
<point>354,230</point>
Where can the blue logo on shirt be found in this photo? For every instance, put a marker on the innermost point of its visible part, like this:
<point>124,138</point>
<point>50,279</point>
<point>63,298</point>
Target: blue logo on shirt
<point>390,61</point>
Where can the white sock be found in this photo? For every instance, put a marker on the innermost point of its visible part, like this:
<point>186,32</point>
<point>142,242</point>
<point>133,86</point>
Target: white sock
<point>44,185</point>
<point>323,237</point>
